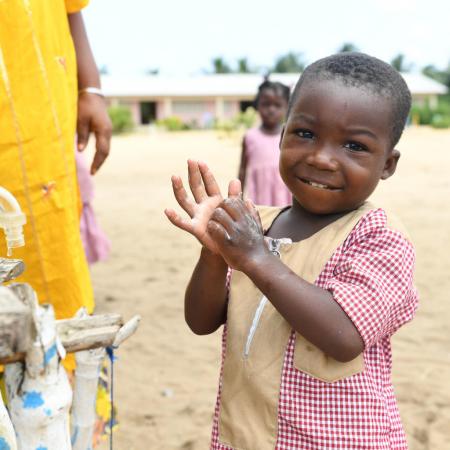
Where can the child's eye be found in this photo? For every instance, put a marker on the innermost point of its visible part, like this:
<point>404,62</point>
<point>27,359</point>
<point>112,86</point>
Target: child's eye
<point>304,134</point>
<point>355,146</point>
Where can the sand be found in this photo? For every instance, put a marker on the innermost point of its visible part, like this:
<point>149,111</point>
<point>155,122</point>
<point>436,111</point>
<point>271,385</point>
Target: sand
<point>166,377</point>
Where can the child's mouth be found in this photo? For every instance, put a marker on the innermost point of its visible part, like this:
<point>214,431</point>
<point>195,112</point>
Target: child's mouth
<point>318,185</point>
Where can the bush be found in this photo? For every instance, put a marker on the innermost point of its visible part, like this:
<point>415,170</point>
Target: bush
<point>121,119</point>
<point>440,121</point>
<point>225,125</point>
<point>438,117</point>
<point>173,123</point>
<point>247,118</point>
<point>241,120</point>
<point>421,114</point>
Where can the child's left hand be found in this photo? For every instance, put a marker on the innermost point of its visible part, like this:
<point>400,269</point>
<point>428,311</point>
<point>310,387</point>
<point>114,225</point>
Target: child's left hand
<point>236,229</point>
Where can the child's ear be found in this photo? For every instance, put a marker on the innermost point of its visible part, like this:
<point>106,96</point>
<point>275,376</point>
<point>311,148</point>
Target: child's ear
<point>390,164</point>
<point>281,136</point>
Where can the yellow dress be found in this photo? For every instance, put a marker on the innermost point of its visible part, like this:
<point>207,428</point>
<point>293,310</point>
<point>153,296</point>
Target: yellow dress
<point>38,100</point>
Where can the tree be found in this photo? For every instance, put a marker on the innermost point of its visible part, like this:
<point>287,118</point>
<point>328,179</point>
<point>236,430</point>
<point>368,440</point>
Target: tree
<point>243,66</point>
<point>220,66</point>
<point>399,64</point>
<point>152,71</point>
<point>289,63</point>
<point>103,70</point>
<point>348,47</point>
<point>442,76</point>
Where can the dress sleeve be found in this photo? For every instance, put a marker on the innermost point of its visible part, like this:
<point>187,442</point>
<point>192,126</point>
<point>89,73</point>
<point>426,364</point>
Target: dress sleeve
<point>73,6</point>
<point>373,282</point>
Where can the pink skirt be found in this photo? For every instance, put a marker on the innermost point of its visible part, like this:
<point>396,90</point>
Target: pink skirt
<point>96,244</point>
<point>264,186</point>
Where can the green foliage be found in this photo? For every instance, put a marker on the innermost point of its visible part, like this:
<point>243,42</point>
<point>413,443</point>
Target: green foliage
<point>121,119</point>
<point>438,117</point>
<point>243,66</point>
<point>173,123</point>
<point>348,47</point>
<point>225,125</point>
<point>442,76</point>
<point>289,63</point>
<point>242,120</point>
<point>220,65</point>
<point>399,63</point>
<point>440,121</point>
<point>246,119</point>
<point>421,114</point>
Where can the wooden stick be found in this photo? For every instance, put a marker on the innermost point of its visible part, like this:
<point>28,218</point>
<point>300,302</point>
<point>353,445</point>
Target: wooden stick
<point>80,334</point>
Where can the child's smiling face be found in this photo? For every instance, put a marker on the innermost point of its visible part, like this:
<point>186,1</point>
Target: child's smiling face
<point>336,146</point>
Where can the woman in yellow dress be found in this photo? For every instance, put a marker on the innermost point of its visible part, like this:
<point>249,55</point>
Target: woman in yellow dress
<point>49,88</point>
<point>50,91</point>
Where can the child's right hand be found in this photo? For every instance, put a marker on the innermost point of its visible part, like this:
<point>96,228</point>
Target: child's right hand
<point>207,197</point>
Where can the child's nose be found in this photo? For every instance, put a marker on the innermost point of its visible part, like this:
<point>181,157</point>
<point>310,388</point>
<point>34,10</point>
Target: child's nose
<point>323,158</point>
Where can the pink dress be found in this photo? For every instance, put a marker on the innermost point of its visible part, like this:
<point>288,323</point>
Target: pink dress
<point>96,244</point>
<point>263,183</point>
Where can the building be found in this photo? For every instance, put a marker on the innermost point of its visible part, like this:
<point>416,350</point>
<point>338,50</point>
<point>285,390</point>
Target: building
<point>199,100</point>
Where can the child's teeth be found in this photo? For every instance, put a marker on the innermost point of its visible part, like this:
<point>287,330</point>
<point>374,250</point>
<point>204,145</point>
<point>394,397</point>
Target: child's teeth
<point>323,186</point>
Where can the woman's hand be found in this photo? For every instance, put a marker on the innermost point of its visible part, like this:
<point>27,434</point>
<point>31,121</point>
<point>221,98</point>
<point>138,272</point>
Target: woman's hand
<point>207,197</point>
<point>93,117</point>
<point>237,232</point>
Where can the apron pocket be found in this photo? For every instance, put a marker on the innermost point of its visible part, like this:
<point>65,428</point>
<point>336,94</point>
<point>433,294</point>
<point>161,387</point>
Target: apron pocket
<point>313,361</point>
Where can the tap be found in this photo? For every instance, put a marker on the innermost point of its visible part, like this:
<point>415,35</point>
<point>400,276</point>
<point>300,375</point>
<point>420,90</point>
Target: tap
<point>12,220</point>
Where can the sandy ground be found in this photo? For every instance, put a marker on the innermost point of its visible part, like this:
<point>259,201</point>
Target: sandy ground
<point>166,377</point>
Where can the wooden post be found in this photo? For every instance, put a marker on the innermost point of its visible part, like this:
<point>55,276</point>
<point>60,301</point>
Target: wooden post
<point>89,363</point>
<point>79,333</point>
<point>38,391</point>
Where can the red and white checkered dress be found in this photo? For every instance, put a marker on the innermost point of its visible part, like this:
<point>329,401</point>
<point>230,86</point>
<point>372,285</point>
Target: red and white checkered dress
<point>371,277</point>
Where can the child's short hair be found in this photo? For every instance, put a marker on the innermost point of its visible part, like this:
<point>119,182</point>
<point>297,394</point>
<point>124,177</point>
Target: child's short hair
<point>278,88</point>
<point>361,70</point>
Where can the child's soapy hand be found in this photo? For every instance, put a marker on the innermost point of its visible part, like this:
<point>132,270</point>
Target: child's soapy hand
<point>207,197</point>
<point>236,229</point>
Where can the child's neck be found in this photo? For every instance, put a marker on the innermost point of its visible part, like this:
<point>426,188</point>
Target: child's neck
<point>297,223</point>
<point>268,129</point>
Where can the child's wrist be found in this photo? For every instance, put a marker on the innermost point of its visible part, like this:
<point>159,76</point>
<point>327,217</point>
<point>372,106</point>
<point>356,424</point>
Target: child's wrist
<point>252,265</point>
<point>212,258</point>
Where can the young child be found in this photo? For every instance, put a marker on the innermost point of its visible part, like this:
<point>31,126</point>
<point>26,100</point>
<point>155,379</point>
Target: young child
<point>316,289</point>
<point>258,172</point>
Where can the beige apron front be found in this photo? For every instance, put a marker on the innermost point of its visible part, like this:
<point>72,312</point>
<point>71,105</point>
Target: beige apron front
<point>252,373</point>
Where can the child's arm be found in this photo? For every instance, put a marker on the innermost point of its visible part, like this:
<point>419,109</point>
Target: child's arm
<point>205,301</point>
<point>310,310</point>
<point>243,165</point>
<point>206,294</point>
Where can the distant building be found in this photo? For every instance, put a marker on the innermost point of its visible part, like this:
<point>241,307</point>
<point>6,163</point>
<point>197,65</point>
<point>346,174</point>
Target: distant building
<point>201,99</point>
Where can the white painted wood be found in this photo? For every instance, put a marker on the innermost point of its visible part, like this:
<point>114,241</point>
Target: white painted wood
<point>10,269</point>
<point>89,363</point>
<point>7,435</point>
<point>15,325</point>
<point>39,393</point>
<point>127,331</point>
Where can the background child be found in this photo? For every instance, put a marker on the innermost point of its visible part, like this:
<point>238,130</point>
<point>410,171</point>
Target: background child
<point>258,170</point>
<point>309,317</point>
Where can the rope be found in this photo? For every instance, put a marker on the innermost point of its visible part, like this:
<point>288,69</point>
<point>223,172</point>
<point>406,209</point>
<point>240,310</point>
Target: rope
<point>112,358</point>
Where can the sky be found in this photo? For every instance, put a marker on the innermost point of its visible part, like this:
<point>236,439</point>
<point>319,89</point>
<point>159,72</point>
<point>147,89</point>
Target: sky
<point>181,37</point>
